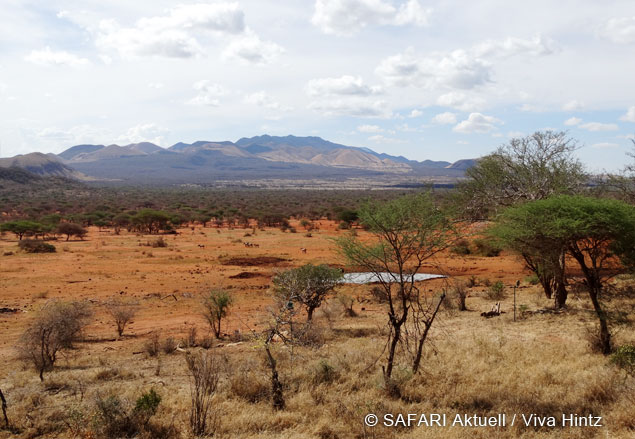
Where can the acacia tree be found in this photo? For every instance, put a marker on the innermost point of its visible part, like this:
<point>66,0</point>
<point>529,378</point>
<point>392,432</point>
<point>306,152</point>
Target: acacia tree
<point>408,231</point>
<point>22,227</point>
<point>518,231</point>
<point>71,229</point>
<point>599,234</point>
<point>55,328</point>
<point>525,169</point>
<point>308,285</point>
<point>122,313</point>
<point>625,183</point>
<point>216,306</point>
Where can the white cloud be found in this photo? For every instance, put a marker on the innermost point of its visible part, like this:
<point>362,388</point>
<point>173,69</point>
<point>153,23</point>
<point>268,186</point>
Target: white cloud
<point>352,107</point>
<point>461,101</point>
<point>457,69</point>
<point>75,135</point>
<point>208,93</point>
<point>262,99</point>
<point>619,30</point>
<point>598,126</point>
<point>630,115</point>
<point>139,41</point>
<point>605,145</point>
<point>573,105</point>
<point>148,132</point>
<point>415,113</point>
<point>346,17</point>
<point>250,49</point>
<point>48,57</point>
<point>344,85</point>
<point>511,46</point>
<point>572,121</point>
<point>477,123</point>
<point>383,139</point>
<point>462,69</point>
<point>370,129</point>
<point>184,32</point>
<point>444,118</point>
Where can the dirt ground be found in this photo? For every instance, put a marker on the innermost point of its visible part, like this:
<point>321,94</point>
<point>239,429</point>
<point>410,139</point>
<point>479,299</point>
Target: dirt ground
<point>168,282</point>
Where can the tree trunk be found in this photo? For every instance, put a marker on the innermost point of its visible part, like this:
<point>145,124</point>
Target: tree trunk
<point>605,335</point>
<point>276,386</point>
<point>428,324</point>
<point>391,352</point>
<point>4,409</point>
<point>309,313</point>
<point>561,295</point>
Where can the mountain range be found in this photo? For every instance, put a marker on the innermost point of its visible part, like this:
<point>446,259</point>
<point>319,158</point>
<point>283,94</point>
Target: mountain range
<point>260,157</point>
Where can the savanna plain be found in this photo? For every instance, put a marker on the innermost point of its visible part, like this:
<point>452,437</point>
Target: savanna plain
<point>166,371</point>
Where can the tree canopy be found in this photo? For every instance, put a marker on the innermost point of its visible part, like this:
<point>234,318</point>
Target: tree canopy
<point>308,285</point>
<point>598,233</point>
<point>525,169</point>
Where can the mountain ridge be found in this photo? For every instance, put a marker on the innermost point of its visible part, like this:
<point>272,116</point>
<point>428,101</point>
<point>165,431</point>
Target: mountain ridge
<point>259,157</point>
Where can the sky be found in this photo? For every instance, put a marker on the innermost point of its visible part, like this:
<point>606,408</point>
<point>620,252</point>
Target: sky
<point>438,80</point>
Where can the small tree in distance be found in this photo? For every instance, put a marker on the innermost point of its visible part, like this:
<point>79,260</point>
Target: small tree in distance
<point>55,328</point>
<point>122,313</point>
<point>72,229</point>
<point>216,306</point>
<point>308,285</point>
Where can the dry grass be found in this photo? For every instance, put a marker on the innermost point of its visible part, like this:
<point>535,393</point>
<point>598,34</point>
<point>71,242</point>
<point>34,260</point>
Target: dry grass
<point>541,364</point>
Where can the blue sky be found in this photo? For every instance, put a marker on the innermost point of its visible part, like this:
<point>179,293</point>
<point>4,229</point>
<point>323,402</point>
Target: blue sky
<point>440,80</point>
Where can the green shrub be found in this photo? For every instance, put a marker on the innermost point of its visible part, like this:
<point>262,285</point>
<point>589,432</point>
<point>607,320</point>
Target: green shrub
<point>323,372</point>
<point>532,279</point>
<point>35,246</point>
<point>487,248</point>
<point>344,225</point>
<point>496,291</point>
<point>462,247</point>
<point>624,358</point>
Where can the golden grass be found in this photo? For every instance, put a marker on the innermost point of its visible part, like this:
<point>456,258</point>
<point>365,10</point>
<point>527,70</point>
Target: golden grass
<point>539,364</point>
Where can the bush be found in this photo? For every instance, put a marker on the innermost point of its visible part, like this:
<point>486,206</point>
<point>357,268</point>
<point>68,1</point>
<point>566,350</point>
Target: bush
<point>462,247</point>
<point>343,225</point>
<point>249,385</point>
<point>159,242</point>
<point>204,373</point>
<point>153,345</point>
<point>624,358</point>
<point>459,295</point>
<point>487,248</point>
<point>54,329</point>
<point>323,372</point>
<point>496,291</point>
<point>379,294</point>
<point>169,345</point>
<point>121,313</point>
<point>35,246</point>
<point>532,279</point>
<point>115,418</point>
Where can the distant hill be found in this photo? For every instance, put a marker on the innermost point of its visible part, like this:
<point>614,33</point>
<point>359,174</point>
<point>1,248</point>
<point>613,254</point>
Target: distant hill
<point>462,165</point>
<point>47,165</point>
<point>257,158</point>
